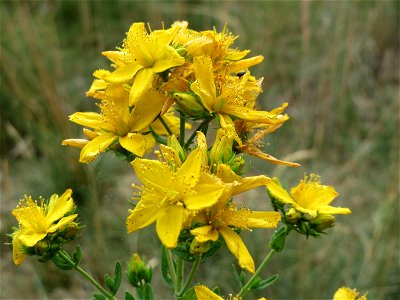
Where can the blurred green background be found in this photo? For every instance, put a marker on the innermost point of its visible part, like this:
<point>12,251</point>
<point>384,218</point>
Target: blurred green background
<point>335,62</point>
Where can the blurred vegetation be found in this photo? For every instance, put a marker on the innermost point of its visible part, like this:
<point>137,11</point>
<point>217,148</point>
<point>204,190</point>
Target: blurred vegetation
<point>335,62</point>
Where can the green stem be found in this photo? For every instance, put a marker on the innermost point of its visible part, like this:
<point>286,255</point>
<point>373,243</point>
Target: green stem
<point>171,268</point>
<point>86,275</point>
<point>190,277</point>
<point>165,125</point>
<point>190,140</point>
<point>245,288</point>
<point>179,272</point>
<point>182,130</point>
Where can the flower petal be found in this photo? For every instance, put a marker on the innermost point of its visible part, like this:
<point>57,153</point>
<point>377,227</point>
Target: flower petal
<point>153,174</point>
<point>59,206</point>
<point>208,190</point>
<point>137,143</point>
<point>143,83</point>
<point>125,73</point>
<point>245,63</point>
<point>146,110</point>
<point>77,143</point>
<point>96,146</point>
<point>331,210</point>
<point>144,214</point>
<point>18,254</point>
<point>248,219</point>
<point>278,192</point>
<point>248,183</point>
<point>62,223</point>
<point>169,225</point>
<point>204,293</point>
<point>205,233</point>
<point>166,58</point>
<point>204,86</point>
<point>238,248</point>
<point>189,172</point>
<point>89,119</point>
<point>30,238</point>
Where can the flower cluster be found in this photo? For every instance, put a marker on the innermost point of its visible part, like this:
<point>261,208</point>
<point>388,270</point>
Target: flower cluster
<point>200,77</point>
<point>157,74</point>
<point>43,227</point>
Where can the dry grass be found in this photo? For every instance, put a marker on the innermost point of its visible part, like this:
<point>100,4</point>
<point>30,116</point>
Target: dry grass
<point>335,62</point>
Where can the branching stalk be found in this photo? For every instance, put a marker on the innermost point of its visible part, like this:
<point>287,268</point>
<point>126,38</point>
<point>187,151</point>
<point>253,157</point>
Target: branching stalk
<point>86,275</point>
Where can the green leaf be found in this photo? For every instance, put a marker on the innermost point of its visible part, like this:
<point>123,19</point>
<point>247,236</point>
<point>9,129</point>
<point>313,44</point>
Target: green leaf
<point>62,263</point>
<point>166,275</point>
<point>237,277</point>
<point>242,278</point>
<point>77,255</point>
<point>129,296</point>
<point>189,295</point>
<point>255,283</point>
<point>267,282</point>
<point>278,239</point>
<point>99,297</point>
<point>117,276</point>
<point>109,283</point>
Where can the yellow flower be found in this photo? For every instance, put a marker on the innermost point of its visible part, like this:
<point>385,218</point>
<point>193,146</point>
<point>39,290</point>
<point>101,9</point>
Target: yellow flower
<point>223,217</point>
<point>37,221</point>
<point>217,46</point>
<point>143,55</point>
<point>345,293</point>
<point>117,123</point>
<point>309,196</point>
<point>172,193</point>
<point>252,134</point>
<point>227,95</point>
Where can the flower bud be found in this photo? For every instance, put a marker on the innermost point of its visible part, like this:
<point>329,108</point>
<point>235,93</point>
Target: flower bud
<point>42,247</point>
<point>70,231</point>
<point>198,248</point>
<point>174,144</point>
<point>322,222</point>
<point>190,105</point>
<point>138,272</point>
<point>292,215</point>
<point>182,51</point>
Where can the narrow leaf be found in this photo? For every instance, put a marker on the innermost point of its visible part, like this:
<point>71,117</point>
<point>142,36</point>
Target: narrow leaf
<point>129,296</point>
<point>77,255</point>
<point>165,269</point>
<point>236,274</point>
<point>99,297</point>
<point>148,292</point>
<point>109,283</point>
<point>117,276</point>
<point>267,282</point>
<point>62,263</point>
